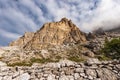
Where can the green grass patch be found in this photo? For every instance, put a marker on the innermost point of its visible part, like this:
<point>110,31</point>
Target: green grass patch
<point>102,57</point>
<point>37,60</point>
<point>19,64</point>
<point>76,59</point>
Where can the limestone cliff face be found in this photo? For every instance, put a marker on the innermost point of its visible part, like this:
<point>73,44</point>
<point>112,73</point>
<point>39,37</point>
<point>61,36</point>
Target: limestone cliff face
<point>22,40</point>
<point>54,33</point>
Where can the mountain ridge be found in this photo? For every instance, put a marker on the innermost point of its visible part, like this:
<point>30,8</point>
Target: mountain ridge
<point>59,51</point>
<point>54,33</point>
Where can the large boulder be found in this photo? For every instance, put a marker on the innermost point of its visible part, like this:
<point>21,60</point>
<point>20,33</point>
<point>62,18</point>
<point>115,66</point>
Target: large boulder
<point>92,61</point>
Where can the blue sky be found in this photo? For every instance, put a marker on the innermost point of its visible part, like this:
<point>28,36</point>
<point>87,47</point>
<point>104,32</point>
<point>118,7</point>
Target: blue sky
<point>20,16</point>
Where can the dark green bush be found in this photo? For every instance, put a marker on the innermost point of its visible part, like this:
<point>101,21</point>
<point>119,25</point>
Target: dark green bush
<point>112,48</point>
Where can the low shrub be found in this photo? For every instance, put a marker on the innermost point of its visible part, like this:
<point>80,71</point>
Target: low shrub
<point>112,49</point>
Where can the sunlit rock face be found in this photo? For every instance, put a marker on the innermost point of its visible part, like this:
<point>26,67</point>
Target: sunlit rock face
<point>51,34</point>
<point>23,40</point>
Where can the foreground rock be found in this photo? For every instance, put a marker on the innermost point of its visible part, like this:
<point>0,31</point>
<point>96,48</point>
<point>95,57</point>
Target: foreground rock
<point>63,70</point>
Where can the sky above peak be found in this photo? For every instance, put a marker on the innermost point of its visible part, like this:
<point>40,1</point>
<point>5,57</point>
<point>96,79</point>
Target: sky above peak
<point>20,16</point>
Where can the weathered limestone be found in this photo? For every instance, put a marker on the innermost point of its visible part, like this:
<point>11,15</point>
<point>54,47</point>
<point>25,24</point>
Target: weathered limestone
<point>51,34</point>
<point>23,40</point>
<point>68,72</point>
<point>92,61</point>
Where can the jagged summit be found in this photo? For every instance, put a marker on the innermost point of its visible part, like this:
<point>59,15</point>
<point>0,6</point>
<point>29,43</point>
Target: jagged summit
<point>64,19</point>
<point>54,33</point>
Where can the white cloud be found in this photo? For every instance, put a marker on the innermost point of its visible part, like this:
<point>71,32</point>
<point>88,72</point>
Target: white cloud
<point>18,16</point>
<point>106,15</point>
<point>9,34</point>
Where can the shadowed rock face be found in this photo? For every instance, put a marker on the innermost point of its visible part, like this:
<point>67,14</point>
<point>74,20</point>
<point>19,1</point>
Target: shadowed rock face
<point>54,33</point>
<point>117,30</point>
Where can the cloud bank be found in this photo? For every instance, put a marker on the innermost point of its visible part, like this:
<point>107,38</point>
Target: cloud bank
<point>20,16</point>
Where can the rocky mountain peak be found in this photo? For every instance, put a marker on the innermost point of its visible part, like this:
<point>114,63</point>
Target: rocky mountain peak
<point>55,33</point>
<point>64,19</point>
